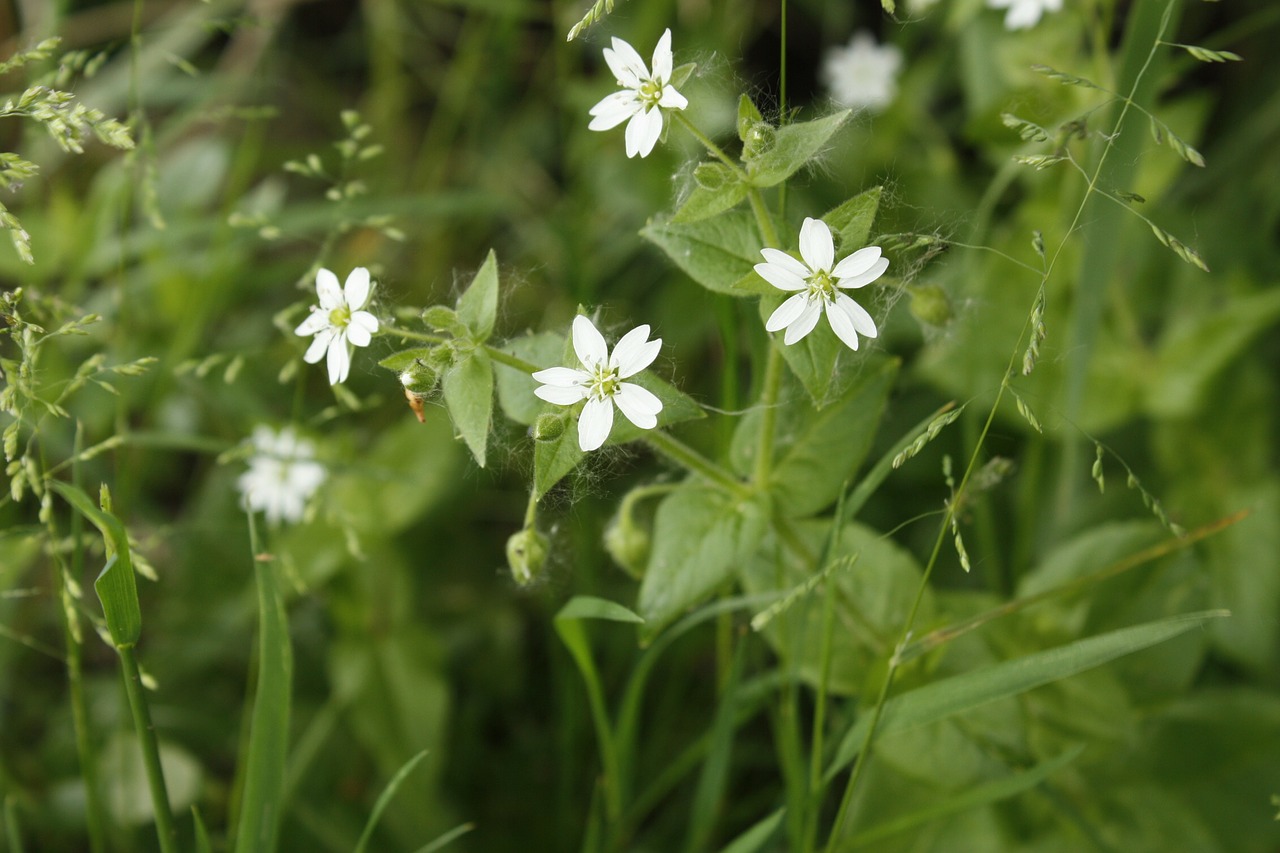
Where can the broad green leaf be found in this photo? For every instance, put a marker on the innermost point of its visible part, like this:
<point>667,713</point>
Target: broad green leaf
<point>468,392</point>
<point>872,599</point>
<point>515,387</point>
<point>700,535</point>
<point>705,201</point>
<point>263,792</point>
<point>677,407</point>
<point>385,798</point>
<point>716,253</point>
<point>478,305</point>
<point>960,693</point>
<point>793,146</point>
<point>817,450</point>
<point>554,459</point>
<point>748,116</point>
<point>590,607</point>
<point>117,590</point>
<point>814,359</point>
<point>1196,351</point>
<point>396,362</point>
<point>971,798</point>
<point>851,222</point>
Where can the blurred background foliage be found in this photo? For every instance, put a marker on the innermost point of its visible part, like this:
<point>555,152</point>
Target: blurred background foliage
<point>408,631</point>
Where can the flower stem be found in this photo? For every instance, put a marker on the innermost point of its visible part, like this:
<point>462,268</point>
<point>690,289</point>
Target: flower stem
<point>686,456</point>
<point>493,352</point>
<point>715,150</point>
<point>166,832</point>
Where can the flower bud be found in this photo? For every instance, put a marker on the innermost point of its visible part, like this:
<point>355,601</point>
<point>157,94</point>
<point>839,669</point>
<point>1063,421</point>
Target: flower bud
<point>759,139</point>
<point>548,427</point>
<point>418,377</point>
<point>526,555</point>
<point>930,305</point>
<point>628,544</point>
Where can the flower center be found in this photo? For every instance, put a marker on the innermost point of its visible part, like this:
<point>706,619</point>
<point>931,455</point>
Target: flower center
<point>822,286</point>
<point>650,92</point>
<point>340,317</point>
<point>604,382</point>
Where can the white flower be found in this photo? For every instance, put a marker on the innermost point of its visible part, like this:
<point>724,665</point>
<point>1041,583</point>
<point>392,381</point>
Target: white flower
<point>817,286</point>
<point>643,97</point>
<point>338,323</point>
<point>600,384</point>
<point>282,475</point>
<point>863,73</point>
<point>1024,14</point>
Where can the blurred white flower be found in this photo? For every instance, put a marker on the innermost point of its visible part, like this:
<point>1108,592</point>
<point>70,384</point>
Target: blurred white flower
<point>600,383</point>
<point>643,97</point>
<point>282,475</point>
<point>1024,14</point>
<point>817,284</point>
<point>919,7</point>
<point>338,323</point>
<point>862,74</point>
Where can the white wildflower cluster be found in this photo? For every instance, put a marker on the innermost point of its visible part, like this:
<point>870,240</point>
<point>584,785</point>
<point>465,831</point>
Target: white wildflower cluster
<point>283,475</point>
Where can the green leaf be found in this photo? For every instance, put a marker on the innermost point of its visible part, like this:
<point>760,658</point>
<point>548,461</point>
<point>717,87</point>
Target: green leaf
<point>792,147</point>
<point>960,693</point>
<point>115,585</point>
<point>817,450</point>
<point>812,359</point>
<point>969,799</point>
<point>397,362</point>
<point>203,844</point>
<point>700,536</point>
<point>748,117</point>
<point>263,794</point>
<point>468,393</point>
<point>385,798</point>
<point>851,222</point>
<point>718,189</point>
<point>716,253</point>
<point>554,459</point>
<point>515,387</point>
<point>478,306</point>
<point>591,607</point>
<point>677,407</point>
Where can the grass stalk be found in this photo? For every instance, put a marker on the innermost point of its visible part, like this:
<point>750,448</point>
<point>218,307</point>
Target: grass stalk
<point>166,830</point>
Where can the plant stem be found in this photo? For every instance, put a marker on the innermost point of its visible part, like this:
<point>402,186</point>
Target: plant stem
<point>768,417</point>
<point>715,150</point>
<point>166,831</point>
<point>686,456</point>
<point>493,352</point>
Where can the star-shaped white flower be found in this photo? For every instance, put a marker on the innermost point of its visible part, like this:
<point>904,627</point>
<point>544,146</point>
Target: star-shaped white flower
<point>282,475</point>
<point>863,74</point>
<point>1024,14</point>
<point>338,323</point>
<point>643,97</point>
<point>817,285</point>
<point>600,381</point>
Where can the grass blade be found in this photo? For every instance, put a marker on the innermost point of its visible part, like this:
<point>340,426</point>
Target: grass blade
<point>384,799</point>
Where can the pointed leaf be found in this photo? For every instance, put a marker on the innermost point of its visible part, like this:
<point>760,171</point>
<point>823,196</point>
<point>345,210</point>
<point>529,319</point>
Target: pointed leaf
<point>515,387</point>
<point>384,799</point>
<point>590,607</point>
<point>851,222</point>
<point>793,146</point>
<point>468,393</point>
<point>397,362</point>
<point>478,306</point>
<point>716,253</point>
<point>705,202</point>
<point>748,117</point>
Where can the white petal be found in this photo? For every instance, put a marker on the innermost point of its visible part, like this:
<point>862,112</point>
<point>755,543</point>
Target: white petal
<point>804,323</point>
<point>356,289</point>
<point>561,377</point>
<point>672,100</point>
<point>859,262</point>
<point>858,315</point>
<point>842,325</point>
<point>627,65</point>
<point>614,110</point>
<point>643,131</point>
<point>638,404</point>
<point>863,279</point>
<point>328,290</point>
<point>594,424</point>
<point>786,313</point>
<point>662,59</point>
<point>781,259</point>
<point>358,335</point>
<point>319,344</point>
<point>339,360</point>
<point>816,245</point>
<point>365,321</point>
<point>634,352</point>
<point>315,321</point>
<point>560,395</point>
<point>783,279</point>
<point>588,343</point>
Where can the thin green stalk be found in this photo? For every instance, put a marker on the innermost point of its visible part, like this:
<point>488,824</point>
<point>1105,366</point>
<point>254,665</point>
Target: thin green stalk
<point>820,716</point>
<point>687,457</point>
<point>716,150</point>
<point>493,352</point>
<point>166,830</point>
<point>768,416</point>
<point>11,830</point>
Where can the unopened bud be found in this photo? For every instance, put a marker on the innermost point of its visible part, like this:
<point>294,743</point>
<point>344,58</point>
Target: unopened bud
<point>548,427</point>
<point>628,544</point>
<point>930,305</point>
<point>759,139</point>
<point>418,377</point>
<point>526,555</point>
